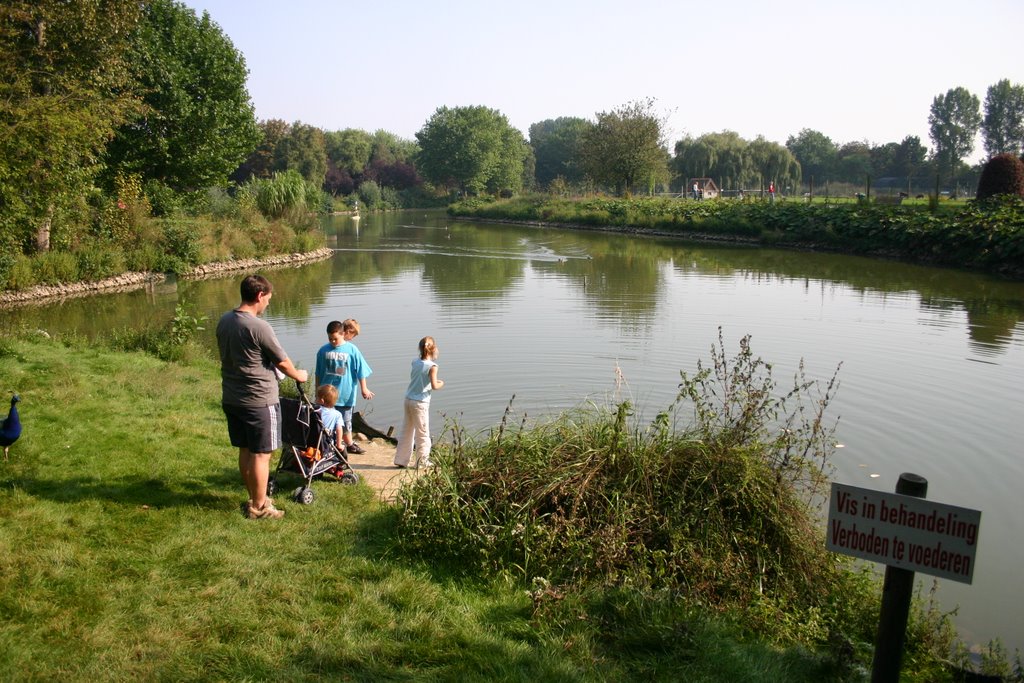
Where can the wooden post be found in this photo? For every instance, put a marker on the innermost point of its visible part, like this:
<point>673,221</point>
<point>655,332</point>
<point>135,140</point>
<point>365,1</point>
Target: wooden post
<point>897,591</point>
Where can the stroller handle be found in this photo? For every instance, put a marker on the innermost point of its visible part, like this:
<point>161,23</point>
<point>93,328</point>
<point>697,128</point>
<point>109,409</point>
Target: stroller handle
<point>303,397</point>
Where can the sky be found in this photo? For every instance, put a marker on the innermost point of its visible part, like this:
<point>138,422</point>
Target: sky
<point>855,71</point>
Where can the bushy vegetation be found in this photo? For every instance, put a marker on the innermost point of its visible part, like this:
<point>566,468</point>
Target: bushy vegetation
<point>264,217</point>
<point>1002,174</point>
<point>625,531</point>
<point>987,236</point>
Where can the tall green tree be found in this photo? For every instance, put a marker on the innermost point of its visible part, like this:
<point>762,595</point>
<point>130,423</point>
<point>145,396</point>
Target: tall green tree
<point>349,149</point>
<point>883,160</point>
<point>388,149</point>
<point>1003,125</point>
<point>953,123</point>
<point>64,88</point>
<point>911,157</point>
<point>471,148</point>
<point>853,163</point>
<point>626,147</point>
<point>199,124</point>
<point>816,154</point>
<point>555,144</point>
<point>303,149</point>
<point>260,163</point>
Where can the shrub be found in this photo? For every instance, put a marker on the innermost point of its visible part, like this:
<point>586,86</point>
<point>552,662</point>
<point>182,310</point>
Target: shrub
<point>306,241</point>
<point>391,198</point>
<point>1002,174</point>
<point>145,257</point>
<point>7,261</point>
<point>163,199</point>
<point>98,262</point>
<point>722,511</point>
<point>124,214</point>
<point>273,237</point>
<point>181,245</point>
<point>279,195</point>
<point>55,267</point>
<point>370,194</point>
<point>21,275</point>
<point>219,203</point>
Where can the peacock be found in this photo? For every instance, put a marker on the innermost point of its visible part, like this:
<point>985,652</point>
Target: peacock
<point>11,429</point>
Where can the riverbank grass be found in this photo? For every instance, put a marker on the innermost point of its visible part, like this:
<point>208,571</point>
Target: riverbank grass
<point>981,235</point>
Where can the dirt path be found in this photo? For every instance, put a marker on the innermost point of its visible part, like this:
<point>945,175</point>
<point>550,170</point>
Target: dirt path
<point>376,469</point>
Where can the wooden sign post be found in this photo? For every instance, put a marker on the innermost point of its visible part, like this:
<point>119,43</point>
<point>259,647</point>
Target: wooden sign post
<point>907,534</point>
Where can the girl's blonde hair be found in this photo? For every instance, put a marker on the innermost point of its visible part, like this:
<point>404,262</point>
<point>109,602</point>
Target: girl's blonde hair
<point>428,348</point>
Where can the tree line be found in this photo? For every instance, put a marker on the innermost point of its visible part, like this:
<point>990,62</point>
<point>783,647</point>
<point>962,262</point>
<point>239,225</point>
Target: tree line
<point>100,96</point>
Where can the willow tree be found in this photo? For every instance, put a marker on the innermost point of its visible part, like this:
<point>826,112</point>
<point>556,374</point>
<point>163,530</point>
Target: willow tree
<point>65,86</point>
<point>723,156</point>
<point>771,162</point>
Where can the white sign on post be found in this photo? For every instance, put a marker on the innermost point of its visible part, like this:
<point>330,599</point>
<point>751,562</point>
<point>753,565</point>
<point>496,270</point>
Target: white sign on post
<point>903,531</point>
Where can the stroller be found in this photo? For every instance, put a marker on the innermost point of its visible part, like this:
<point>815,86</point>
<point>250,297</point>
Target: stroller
<point>308,449</point>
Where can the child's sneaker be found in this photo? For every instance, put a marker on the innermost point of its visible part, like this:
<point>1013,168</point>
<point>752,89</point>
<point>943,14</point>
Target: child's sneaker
<point>268,511</point>
<point>355,449</point>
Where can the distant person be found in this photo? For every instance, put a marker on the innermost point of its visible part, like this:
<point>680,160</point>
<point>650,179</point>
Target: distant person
<point>696,191</point>
<point>251,364</point>
<point>771,191</point>
<point>327,398</point>
<point>340,364</point>
<point>416,425</point>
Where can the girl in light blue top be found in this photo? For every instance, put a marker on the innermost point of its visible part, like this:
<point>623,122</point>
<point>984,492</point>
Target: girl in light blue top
<point>416,427</point>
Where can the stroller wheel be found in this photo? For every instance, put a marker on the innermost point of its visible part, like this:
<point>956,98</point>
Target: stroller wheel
<point>271,487</point>
<point>303,495</point>
<point>350,478</point>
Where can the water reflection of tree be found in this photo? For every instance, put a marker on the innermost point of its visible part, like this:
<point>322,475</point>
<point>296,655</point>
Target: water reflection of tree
<point>93,315</point>
<point>619,277</point>
<point>297,289</point>
<point>481,277</point>
<point>473,260</point>
<point>994,308</point>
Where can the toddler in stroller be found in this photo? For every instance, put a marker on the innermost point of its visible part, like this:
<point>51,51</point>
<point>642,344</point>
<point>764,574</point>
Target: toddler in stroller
<point>310,449</point>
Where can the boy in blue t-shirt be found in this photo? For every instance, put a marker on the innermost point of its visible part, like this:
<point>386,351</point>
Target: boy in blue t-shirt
<point>340,364</point>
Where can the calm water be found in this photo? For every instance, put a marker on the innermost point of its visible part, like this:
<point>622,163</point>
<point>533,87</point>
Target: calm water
<point>932,360</point>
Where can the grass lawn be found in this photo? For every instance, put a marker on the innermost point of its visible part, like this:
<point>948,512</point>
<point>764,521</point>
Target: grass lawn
<point>124,556</point>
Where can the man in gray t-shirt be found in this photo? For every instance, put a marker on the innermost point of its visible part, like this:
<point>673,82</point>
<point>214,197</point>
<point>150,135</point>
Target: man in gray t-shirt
<point>251,359</point>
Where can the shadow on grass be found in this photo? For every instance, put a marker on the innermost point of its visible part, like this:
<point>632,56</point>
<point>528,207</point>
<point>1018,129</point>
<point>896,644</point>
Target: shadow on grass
<point>215,491</point>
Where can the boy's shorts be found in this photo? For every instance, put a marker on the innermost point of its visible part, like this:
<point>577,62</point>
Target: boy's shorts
<point>256,428</point>
<point>346,417</point>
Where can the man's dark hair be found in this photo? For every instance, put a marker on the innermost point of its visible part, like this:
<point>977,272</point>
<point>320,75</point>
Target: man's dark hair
<point>253,285</point>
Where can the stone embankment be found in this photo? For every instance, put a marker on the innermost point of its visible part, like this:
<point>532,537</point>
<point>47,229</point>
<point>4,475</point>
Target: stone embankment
<point>130,281</point>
